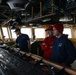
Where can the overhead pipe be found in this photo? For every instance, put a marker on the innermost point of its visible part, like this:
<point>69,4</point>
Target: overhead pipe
<point>45,16</point>
<point>41,16</point>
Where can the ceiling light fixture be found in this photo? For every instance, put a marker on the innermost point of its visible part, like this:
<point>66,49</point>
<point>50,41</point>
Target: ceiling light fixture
<point>47,19</point>
<point>65,19</point>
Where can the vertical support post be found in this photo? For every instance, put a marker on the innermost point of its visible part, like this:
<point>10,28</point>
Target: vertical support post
<point>37,51</point>
<point>74,18</point>
<point>40,8</point>
<point>1,33</point>
<point>32,12</point>
<point>9,33</point>
<point>52,8</point>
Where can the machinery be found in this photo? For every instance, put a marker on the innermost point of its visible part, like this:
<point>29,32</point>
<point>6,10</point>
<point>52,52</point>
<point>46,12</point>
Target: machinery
<point>15,62</point>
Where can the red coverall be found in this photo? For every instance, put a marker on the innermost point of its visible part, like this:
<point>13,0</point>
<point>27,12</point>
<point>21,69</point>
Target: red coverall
<point>47,47</point>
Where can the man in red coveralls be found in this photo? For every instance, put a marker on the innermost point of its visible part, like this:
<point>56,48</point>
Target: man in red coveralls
<point>48,42</point>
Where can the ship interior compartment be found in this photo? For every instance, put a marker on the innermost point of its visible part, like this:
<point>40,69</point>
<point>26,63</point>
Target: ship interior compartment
<point>33,17</point>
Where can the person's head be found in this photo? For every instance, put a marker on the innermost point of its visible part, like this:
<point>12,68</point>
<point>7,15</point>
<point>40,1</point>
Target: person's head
<point>58,29</point>
<point>49,30</point>
<point>17,31</point>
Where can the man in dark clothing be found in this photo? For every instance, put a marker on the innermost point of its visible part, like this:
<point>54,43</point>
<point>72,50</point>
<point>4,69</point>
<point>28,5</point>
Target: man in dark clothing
<point>22,41</point>
<point>63,50</point>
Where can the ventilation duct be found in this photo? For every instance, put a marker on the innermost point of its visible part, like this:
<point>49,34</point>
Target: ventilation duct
<point>17,4</point>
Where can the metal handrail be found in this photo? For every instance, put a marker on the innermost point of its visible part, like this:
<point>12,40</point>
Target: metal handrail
<point>51,63</point>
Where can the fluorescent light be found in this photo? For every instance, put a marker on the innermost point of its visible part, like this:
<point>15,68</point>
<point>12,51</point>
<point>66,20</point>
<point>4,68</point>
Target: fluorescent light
<point>23,14</point>
<point>30,24</point>
<point>45,20</point>
<point>65,19</point>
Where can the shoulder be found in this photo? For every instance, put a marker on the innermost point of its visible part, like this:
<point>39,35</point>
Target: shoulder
<point>47,38</point>
<point>24,35</point>
<point>68,43</point>
<point>67,40</point>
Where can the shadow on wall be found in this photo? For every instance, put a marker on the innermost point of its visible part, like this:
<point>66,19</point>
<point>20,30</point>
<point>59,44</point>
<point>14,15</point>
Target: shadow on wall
<point>73,41</point>
<point>36,48</point>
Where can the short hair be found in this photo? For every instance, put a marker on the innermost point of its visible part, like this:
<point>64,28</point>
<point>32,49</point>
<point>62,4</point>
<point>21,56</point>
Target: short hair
<point>17,29</point>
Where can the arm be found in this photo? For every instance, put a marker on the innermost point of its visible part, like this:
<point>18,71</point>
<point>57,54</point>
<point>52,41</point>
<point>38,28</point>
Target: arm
<point>28,41</point>
<point>43,45</point>
<point>46,44</point>
<point>29,47</point>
